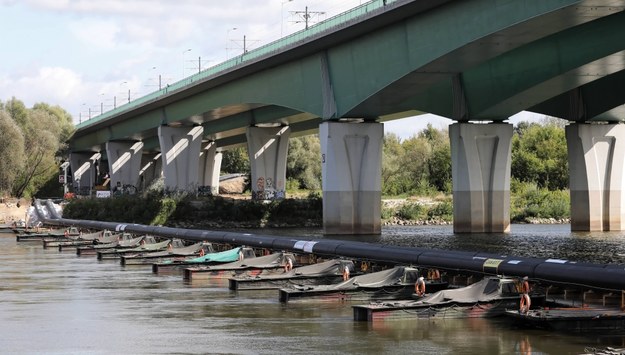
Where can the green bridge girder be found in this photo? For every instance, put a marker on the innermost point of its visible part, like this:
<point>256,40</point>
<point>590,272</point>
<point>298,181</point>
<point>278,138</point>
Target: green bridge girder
<point>466,60</point>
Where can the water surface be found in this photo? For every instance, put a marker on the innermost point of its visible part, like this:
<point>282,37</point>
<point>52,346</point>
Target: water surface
<point>58,303</point>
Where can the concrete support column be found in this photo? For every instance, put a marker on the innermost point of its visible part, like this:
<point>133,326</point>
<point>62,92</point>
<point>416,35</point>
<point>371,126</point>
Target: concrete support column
<point>84,171</point>
<point>151,169</point>
<point>267,148</point>
<point>124,163</point>
<point>596,162</point>
<point>351,167</point>
<point>480,169</point>
<point>210,165</point>
<point>180,148</point>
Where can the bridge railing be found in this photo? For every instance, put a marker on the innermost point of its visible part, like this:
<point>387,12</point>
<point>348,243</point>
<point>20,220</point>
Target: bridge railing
<point>341,20</point>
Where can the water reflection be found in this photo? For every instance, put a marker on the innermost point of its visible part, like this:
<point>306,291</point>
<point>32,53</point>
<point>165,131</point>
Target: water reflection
<point>75,304</point>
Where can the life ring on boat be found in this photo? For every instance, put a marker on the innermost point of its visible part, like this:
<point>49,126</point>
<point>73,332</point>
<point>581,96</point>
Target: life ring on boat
<point>346,273</point>
<point>288,265</point>
<point>525,286</point>
<point>419,287</point>
<point>525,303</point>
<point>202,252</point>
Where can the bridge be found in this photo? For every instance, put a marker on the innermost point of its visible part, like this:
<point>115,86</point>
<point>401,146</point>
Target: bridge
<point>477,62</point>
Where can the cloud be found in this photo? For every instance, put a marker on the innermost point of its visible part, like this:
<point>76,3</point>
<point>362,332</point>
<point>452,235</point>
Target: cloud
<point>96,34</point>
<point>54,85</point>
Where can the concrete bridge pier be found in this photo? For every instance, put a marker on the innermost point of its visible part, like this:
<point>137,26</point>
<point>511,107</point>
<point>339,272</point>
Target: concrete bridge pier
<point>480,168</point>
<point>351,161</point>
<point>210,165</point>
<point>84,171</point>
<point>596,162</point>
<point>180,148</point>
<point>151,169</point>
<point>267,148</point>
<point>124,159</point>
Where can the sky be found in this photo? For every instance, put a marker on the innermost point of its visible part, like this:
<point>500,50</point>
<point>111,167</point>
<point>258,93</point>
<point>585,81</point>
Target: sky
<point>86,55</point>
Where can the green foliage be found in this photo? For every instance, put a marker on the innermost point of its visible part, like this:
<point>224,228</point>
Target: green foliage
<point>420,165</point>
<point>304,162</point>
<point>11,152</point>
<point>156,209</point>
<point>539,155</point>
<point>35,140</point>
<point>411,211</point>
<point>529,201</point>
<point>416,211</point>
<point>443,210</point>
<point>235,161</point>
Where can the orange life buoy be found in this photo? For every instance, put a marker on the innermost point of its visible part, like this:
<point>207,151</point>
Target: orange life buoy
<point>419,287</point>
<point>288,265</point>
<point>526,302</point>
<point>525,287</point>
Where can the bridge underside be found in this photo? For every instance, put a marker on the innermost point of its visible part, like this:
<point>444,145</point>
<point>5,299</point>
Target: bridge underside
<point>475,60</point>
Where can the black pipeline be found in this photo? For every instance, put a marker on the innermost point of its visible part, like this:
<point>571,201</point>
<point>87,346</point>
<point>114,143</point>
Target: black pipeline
<point>557,271</point>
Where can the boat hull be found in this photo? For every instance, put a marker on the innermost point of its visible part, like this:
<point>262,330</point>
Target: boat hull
<point>277,283</point>
<point>408,310</point>
<point>361,294</point>
<point>199,273</point>
<point>572,320</point>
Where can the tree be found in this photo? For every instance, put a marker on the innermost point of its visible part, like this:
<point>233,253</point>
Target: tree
<point>304,162</point>
<point>392,153</point>
<point>11,152</point>
<point>41,137</point>
<point>539,155</point>
<point>235,161</point>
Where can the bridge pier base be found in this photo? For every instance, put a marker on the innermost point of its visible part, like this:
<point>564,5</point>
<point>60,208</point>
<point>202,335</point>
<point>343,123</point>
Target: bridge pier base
<point>351,160</point>
<point>180,149</point>
<point>84,171</point>
<point>124,160</point>
<point>267,148</point>
<point>210,165</point>
<point>596,163</point>
<point>480,168</point>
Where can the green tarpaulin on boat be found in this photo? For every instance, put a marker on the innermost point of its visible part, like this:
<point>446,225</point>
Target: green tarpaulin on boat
<point>221,257</point>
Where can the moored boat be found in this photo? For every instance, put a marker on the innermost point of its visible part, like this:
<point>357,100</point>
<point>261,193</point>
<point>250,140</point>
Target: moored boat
<point>226,256</point>
<point>575,320</point>
<point>178,251</point>
<point>489,297</point>
<point>125,241</point>
<point>395,283</point>
<point>146,243</point>
<point>57,234</point>
<point>249,266</point>
<point>107,240</point>
<point>323,273</point>
<point>72,240</point>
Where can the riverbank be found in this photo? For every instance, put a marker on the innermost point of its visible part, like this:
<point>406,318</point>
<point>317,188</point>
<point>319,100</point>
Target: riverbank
<point>13,210</point>
<point>220,212</point>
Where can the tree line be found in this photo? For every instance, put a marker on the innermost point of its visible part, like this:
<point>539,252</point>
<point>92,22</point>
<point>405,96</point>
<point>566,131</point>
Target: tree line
<point>32,145</point>
<point>421,164</point>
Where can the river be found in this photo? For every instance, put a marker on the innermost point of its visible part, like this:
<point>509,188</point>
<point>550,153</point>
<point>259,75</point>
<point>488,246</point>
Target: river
<point>58,303</point>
